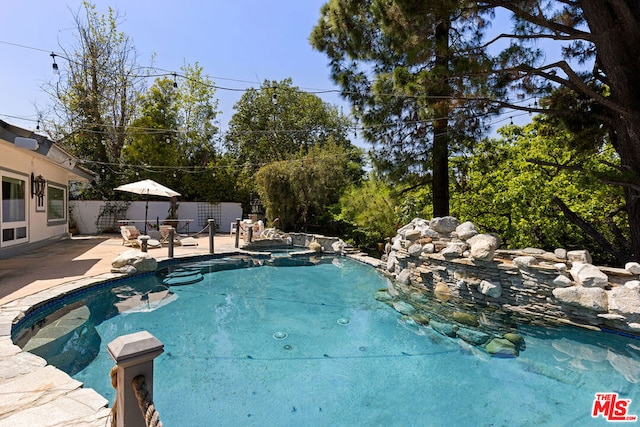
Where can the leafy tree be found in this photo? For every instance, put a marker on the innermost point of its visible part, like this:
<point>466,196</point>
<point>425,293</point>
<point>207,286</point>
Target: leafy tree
<point>300,191</point>
<point>418,79</point>
<point>197,115</point>
<point>507,187</point>
<point>95,102</point>
<point>371,208</point>
<point>281,122</point>
<point>152,132</point>
<point>174,131</point>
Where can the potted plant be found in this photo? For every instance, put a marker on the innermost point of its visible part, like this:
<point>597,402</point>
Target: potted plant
<point>73,226</point>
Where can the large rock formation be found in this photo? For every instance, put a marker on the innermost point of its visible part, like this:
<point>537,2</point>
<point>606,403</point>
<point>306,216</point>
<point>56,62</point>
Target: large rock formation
<point>454,260</point>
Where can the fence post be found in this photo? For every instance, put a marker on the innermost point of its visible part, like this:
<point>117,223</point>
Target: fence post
<point>238,232</point>
<point>212,232</point>
<point>171,234</point>
<point>133,355</point>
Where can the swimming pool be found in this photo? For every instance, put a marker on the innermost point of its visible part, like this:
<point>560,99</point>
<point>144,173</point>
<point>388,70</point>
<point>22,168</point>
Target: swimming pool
<point>305,342</point>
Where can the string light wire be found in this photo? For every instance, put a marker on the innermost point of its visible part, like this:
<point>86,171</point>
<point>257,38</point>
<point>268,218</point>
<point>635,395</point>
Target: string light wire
<point>159,72</point>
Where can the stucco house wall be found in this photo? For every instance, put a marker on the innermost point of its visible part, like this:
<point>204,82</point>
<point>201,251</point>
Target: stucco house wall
<point>28,219</point>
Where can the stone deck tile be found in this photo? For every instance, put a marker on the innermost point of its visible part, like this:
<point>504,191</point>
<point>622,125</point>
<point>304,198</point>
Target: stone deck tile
<point>34,388</point>
<point>19,364</point>
<point>7,347</point>
<point>78,407</point>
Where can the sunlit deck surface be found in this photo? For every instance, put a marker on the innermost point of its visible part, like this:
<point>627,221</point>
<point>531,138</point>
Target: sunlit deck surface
<point>32,392</point>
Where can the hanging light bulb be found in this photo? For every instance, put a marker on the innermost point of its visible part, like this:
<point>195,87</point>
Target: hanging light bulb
<point>175,83</point>
<point>54,65</point>
<point>38,125</point>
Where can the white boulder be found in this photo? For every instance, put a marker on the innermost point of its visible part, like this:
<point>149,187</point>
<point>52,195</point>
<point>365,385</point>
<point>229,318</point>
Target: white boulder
<point>632,267</point>
<point>562,281</point>
<point>588,275</point>
<point>560,253</point>
<point>466,230</point>
<point>454,249</point>
<point>590,298</point>
<point>483,246</point>
<point>140,261</point>
<point>624,300</point>
<point>444,225</point>
<point>525,261</point>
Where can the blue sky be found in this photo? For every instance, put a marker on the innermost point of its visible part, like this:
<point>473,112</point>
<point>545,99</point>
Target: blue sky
<point>239,44</point>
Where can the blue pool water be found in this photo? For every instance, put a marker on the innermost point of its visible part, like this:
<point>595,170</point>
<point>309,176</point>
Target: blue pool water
<point>309,345</point>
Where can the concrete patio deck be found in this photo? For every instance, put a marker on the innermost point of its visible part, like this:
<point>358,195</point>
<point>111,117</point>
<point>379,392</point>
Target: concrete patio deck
<point>33,393</point>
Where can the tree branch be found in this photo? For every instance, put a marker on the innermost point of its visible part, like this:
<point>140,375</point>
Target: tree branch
<point>618,236</point>
<point>630,185</point>
<point>539,20</point>
<point>557,37</point>
<point>590,231</point>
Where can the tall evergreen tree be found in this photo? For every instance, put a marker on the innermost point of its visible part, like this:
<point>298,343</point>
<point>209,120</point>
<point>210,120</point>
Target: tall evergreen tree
<point>418,79</point>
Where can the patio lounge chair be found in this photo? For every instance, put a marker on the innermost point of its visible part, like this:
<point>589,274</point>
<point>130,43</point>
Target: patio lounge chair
<point>177,239</point>
<point>130,234</point>
<point>131,237</point>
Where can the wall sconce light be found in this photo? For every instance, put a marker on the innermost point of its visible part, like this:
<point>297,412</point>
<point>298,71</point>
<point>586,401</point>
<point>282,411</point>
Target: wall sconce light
<point>38,185</point>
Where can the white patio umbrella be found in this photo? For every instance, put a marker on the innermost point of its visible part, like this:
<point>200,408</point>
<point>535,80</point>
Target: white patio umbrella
<point>147,187</point>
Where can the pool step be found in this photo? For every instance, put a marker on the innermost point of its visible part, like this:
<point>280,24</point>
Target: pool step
<point>182,277</point>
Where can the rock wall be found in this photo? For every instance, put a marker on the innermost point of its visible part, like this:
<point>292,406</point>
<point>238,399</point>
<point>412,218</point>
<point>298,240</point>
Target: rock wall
<point>444,259</point>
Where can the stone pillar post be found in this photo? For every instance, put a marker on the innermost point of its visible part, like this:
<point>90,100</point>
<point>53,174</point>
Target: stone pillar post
<point>144,242</point>
<point>133,355</point>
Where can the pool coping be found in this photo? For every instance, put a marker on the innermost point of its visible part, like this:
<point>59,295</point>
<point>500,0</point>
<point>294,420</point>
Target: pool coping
<point>35,390</point>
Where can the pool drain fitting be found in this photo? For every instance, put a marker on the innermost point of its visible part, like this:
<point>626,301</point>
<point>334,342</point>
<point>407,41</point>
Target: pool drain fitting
<point>280,335</point>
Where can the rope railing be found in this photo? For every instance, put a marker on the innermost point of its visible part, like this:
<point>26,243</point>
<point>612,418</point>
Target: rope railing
<point>206,227</point>
<point>114,383</point>
<point>146,405</point>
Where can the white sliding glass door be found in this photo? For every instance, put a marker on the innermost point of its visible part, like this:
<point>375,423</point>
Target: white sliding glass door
<point>13,212</point>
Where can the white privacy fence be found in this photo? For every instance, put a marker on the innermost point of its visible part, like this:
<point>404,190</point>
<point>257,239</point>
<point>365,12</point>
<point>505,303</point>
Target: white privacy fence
<point>95,216</point>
